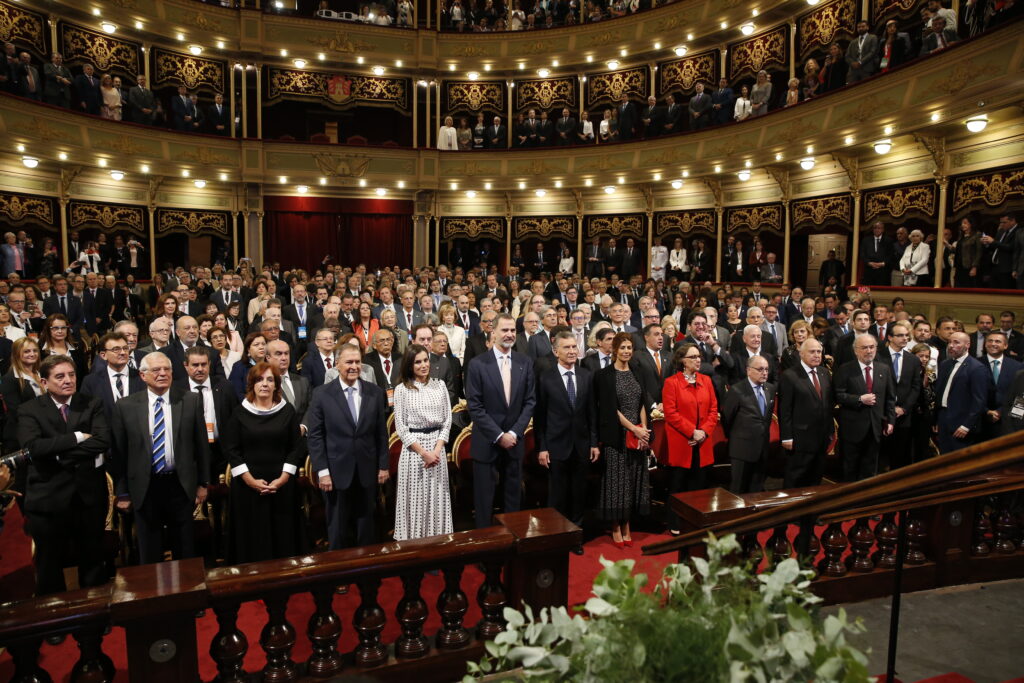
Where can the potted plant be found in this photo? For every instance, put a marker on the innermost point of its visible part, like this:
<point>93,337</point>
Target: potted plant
<point>705,621</point>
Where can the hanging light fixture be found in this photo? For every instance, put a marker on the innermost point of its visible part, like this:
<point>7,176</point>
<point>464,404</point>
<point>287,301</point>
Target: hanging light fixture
<point>30,162</point>
<point>883,146</point>
<point>117,175</point>
<point>743,175</point>
<point>977,123</point>
<point>807,163</point>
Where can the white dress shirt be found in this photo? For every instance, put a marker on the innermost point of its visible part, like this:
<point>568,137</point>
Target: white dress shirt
<point>112,378</point>
<point>168,427</point>
<point>357,400</point>
<point>209,411</point>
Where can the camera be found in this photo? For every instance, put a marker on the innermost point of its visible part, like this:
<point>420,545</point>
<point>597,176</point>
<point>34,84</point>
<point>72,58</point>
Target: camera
<point>16,459</point>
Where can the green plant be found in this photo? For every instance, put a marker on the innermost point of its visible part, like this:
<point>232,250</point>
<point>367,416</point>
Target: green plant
<point>705,621</point>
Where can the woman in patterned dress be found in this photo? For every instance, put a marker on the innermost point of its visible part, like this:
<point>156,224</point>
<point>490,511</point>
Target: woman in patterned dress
<point>623,400</point>
<point>423,418</point>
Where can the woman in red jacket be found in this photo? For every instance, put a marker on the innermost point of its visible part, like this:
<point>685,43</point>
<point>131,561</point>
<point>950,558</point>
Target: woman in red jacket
<point>691,413</point>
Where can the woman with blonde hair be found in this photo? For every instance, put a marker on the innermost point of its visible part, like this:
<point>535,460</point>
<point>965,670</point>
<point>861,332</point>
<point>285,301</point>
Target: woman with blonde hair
<point>111,108</point>
<point>760,94</point>
<point>447,138</point>
<point>673,335</point>
<point>798,333</point>
<point>20,384</point>
<point>793,94</point>
<point>456,335</point>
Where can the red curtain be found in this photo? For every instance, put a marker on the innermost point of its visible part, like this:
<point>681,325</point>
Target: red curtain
<point>300,231</point>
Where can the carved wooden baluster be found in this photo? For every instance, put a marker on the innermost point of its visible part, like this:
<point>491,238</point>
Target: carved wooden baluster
<point>814,547</point>
<point>861,540</point>
<point>887,533</point>
<point>229,646</point>
<point>411,614</point>
<point>492,601</point>
<point>324,629</point>
<point>982,528</point>
<point>93,666</point>
<point>778,545</point>
<point>1005,527</point>
<point>369,622</point>
<point>277,640</point>
<point>751,548</point>
<point>834,541</point>
<point>452,604</point>
<point>916,536</point>
<point>25,654</point>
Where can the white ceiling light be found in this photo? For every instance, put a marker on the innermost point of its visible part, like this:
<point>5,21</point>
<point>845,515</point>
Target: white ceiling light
<point>195,49</point>
<point>936,116</point>
<point>180,36</point>
<point>718,168</point>
<point>848,139</point>
<point>284,52</point>
<point>623,52</point>
<point>362,182</point>
<point>588,182</point>
<point>321,56</point>
<point>657,46</point>
<point>323,180</point>
<point>543,73</point>
<point>487,186</point>
<point>108,27</point>
<point>138,25</point>
<point>540,192</point>
<point>381,191</point>
<point>63,156</point>
<point>680,51</point>
<point>522,185</point>
<point>677,184</point>
<point>807,163</point>
<point>144,168</point>
<point>473,75</point>
<point>185,173</point>
<point>223,177</point>
<point>299,63</point>
<point>976,124</point>
<point>747,28</point>
<point>220,44</point>
<point>30,162</point>
<point>453,186</point>
<point>555,63</point>
<point>883,146</point>
<point>558,183</point>
<point>812,3</point>
<point>400,184</point>
<point>378,71</point>
<point>609,189</point>
<point>613,64</point>
<point>199,182</point>
<point>359,59</point>
<point>743,175</point>
<point>399,63</point>
<point>471,194</point>
<point>117,175</point>
<point>302,189</point>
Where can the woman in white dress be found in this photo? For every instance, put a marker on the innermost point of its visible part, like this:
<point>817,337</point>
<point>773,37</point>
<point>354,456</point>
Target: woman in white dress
<point>447,138</point>
<point>566,261</point>
<point>423,418</point>
<point>915,260</point>
<point>743,106</point>
<point>456,335</point>
<point>678,266</point>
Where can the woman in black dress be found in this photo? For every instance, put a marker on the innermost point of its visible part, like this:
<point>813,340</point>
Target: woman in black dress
<point>255,352</point>
<point>264,447</point>
<point>622,410</point>
<point>923,417</point>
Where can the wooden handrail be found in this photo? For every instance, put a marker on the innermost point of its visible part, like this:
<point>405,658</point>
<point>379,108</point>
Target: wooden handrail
<point>55,613</point>
<point>984,457</point>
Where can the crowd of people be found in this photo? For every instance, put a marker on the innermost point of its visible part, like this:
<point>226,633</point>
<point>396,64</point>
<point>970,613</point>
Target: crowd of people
<point>247,372</point>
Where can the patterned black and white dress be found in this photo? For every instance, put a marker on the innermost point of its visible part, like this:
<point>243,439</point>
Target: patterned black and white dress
<point>422,415</point>
<point>624,488</point>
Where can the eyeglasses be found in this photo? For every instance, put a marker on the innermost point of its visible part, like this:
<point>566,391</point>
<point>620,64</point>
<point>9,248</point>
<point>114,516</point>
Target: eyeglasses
<point>691,356</point>
<point>117,349</point>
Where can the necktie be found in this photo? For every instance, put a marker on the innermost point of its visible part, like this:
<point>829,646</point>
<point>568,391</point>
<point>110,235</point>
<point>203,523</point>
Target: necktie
<point>64,411</point>
<point>949,384</point>
<point>302,314</point>
<point>465,321</point>
<point>604,361</point>
<point>657,362</point>
<point>868,379</point>
<point>350,396</point>
<point>896,365</point>
<point>158,458</point>
<point>408,320</point>
<point>119,384</point>
<point>570,388</point>
<point>995,370</point>
<point>881,333</point>
<point>506,377</point>
<point>289,395</point>
<point>327,362</point>
<point>387,367</point>
<point>814,381</point>
<point>131,361</point>
<point>703,350</point>
<point>760,399</point>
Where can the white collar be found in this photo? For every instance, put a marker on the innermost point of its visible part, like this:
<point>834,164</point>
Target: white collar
<point>808,369</point>
<point>993,360</point>
<point>264,411</point>
<point>499,355</point>
<point>112,374</point>
<point>193,384</point>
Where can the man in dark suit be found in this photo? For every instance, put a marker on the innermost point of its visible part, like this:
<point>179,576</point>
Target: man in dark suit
<point>962,392</point>
<point>443,365</point>
<point>699,108</point>
<point>632,261</point>
<point>348,446</point>
<point>866,394</point>
<point>218,117</point>
<point>627,118</point>
<point>545,131</point>
<point>702,265</point>
<point>98,303</point>
<point>540,345</point>
<point>651,119</point>
<point>187,330</point>
<point>752,338</point>
<point>87,97</point>
<point>26,78</point>
<point>143,103</point>
<point>565,429</point>
<point>613,258</point>
<point>862,54</point>
<point>479,343</point>
<point>116,380</point>
<point>747,420</point>
<point>500,396</point>
<point>66,489</point>
<point>465,318</point>
<point>496,136</point>
<point>940,37</point>
<point>408,315</point>
<point>843,346</point>
<point>161,460</point>
<point>295,388</point>
<point>653,361</point>
<point>304,317</point>
<point>723,103</point>
<point>183,113</point>
<point>565,129</point>
<point>320,358</point>
<point>593,259</point>
<point>875,253</point>
<point>1004,369</point>
<point>603,357</point>
<point>226,295</point>
<point>673,116</point>
<point>806,424</point>
<point>1011,411</point>
<point>57,88</point>
<point>906,370</point>
<point>717,362</point>
<point>984,323</point>
<point>218,400</point>
<point>999,252</point>
<point>386,365</point>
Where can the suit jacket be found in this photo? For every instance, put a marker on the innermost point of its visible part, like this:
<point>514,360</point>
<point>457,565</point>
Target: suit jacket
<point>1008,370</point>
<point>968,397</point>
<point>645,367</point>
<point>383,380</point>
<point>314,320</point>
<point>651,120</point>
<point>701,107</point>
<point>594,268</point>
<point>908,386</point>
<point>627,120</point>
<point>857,420</point>
<point>218,298</point>
<point>702,266</point>
<point>727,101</point>
<point>98,306</point>
<point>21,78</point>
<point>539,345</point>
<point>748,430</point>
<point>131,461</point>
<point>417,318</point>
<point>868,252</point>
<point>76,312</point>
<point>180,108</point>
<point>491,415</point>
<point>545,133</point>
<point>176,353</point>
<point>474,323</point>
<point>673,116</point>
<point>214,118</point>
<point>448,369</point>
<point>867,56</point>
<point>566,127</point>
<point>804,417</point>
<point>931,41</point>
<point>1011,424</point>
<point>767,342</point>
<point>224,400</point>
<point>60,466</point>
<point>631,263</point>
<point>7,259</point>
<point>558,427</point>
<point>54,89</point>
<point>739,368</point>
<point>140,99</point>
<point>98,386</point>
<point>496,139</point>
<point>348,448</point>
<point>90,94</point>
<point>770,272</point>
<point>313,368</point>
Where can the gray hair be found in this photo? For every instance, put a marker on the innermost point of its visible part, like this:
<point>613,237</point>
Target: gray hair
<point>152,356</point>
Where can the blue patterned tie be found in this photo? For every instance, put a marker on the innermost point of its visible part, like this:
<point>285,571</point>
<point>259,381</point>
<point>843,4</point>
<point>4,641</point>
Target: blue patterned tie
<point>159,447</point>
<point>896,366</point>
<point>760,399</point>
<point>570,387</point>
<point>350,395</point>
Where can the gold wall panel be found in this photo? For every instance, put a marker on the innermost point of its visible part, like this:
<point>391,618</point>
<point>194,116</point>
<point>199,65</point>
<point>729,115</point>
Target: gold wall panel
<point>684,73</point>
<point>105,53</point>
<point>825,24</point>
<point>191,222</point>
<point>684,222</point>
<point>608,88</point>
<point>524,227</point>
<point>107,216</point>
<point>175,68</point>
<point>23,28</point>
<point>629,225</point>
<point>754,218</point>
<point>475,96</point>
<point>886,9</point>
<point>821,209</point>
<point>546,93</point>
<point>19,209</point>
<point>992,189</point>
<point>898,201</point>
<point>473,228</point>
<point>337,89</point>
<point>765,51</point>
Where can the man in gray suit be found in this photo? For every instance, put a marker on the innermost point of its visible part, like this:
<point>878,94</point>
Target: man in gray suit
<point>143,103</point>
<point>57,86</point>
<point>295,388</point>
<point>161,460</point>
<point>747,420</point>
<point>862,54</point>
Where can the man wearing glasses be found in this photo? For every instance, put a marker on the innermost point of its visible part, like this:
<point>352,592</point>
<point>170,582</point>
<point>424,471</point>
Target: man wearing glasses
<point>747,420</point>
<point>116,380</point>
<point>906,370</point>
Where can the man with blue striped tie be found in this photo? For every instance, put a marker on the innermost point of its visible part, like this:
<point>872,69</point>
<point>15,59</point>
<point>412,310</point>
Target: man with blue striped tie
<point>161,460</point>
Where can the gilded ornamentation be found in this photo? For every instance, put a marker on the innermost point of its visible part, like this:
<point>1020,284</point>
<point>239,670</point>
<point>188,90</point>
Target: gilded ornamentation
<point>990,188</point>
<point>685,222</point>
<point>544,227</point>
<point>964,73</point>
<point>341,43</point>
<point>536,47</point>
<point>81,45</point>
<point>729,146</point>
<point>825,24</point>
<point>610,87</point>
<point>21,26</point>
<point>817,211</point>
<point>546,94</point>
<point>124,4</point>
<point>601,163</point>
<point>535,167</point>
<point>40,129</point>
<point>796,130</point>
<point>201,22</point>
<point>883,9</point>
<point>672,155</point>
<point>336,88</point>
<point>472,228</point>
<point>191,222</point>
<point>684,73</point>
<point>851,165</point>
<point>475,96</point>
<point>755,218</point>
<point>203,155</point>
<point>605,38</point>
<point>631,225</point>
<point>108,216</point>
<point>936,146</point>
<point>761,52</point>
<point>19,207</point>
<point>193,72</point>
<point>781,177</point>
<point>867,108</point>
<point>896,202</point>
<point>342,165</point>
